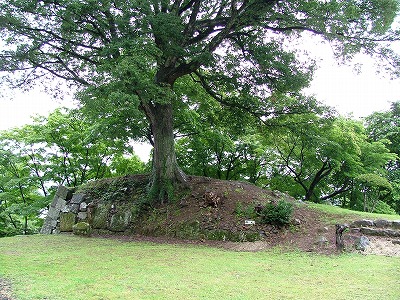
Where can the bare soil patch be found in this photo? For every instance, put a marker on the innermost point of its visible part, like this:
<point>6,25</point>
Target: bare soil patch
<point>5,290</point>
<point>383,246</point>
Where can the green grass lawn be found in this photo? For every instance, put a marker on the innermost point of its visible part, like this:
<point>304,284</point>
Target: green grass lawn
<point>68,267</point>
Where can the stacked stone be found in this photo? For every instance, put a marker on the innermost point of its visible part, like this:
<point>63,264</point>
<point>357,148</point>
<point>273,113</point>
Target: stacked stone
<point>377,228</point>
<point>51,223</point>
<point>68,210</point>
<point>74,211</point>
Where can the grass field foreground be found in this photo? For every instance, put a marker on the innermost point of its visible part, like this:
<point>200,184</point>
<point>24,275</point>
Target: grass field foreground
<point>73,268</point>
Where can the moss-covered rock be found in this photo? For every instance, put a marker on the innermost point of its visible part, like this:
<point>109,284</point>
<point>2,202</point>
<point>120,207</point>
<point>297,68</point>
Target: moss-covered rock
<point>67,220</point>
<point>100,216</point>
<point>82,228</point>
<point>120,220</point>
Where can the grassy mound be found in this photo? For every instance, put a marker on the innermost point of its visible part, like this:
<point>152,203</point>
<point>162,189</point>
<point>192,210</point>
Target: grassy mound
<point>209,209</point>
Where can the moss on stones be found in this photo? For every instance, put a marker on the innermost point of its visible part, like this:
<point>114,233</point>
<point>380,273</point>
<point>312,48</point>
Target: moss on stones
<point>67,221</point>
<point>120,220</point>
<point>82,228</point>
<point>100,216</point>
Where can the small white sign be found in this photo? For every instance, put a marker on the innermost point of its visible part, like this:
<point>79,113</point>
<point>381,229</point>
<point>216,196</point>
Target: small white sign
<point>249,222</point>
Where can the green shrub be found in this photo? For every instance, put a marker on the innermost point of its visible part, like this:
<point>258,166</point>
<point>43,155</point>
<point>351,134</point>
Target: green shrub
<point>278,214</point>
<point>384,208</point>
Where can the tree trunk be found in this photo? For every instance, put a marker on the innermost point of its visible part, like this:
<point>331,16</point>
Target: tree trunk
<point>165,174</point>
<point>365,199</point>
<point>323,172</point>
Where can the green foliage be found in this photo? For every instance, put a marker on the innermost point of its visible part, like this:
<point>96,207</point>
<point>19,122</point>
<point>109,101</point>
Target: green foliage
<point>314,153</point>
<point>375,188</point>
<point>384,127</point>
<point>375,181</point>
<point>127,58</point>
<point>122,165</point>
<point>384,208</point>
<point>330,159</point>
<point>245,212</point>
<point>63,148</point>
<point>278,214</point>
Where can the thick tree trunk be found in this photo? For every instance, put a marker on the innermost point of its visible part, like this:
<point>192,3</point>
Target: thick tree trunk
<point>165,174</point>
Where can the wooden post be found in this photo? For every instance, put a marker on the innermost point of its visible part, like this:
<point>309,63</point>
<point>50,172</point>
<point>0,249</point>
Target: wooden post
<point>340,228</point>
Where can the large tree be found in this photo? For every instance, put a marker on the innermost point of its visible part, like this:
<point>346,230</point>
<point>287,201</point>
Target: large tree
<point>132,53</point>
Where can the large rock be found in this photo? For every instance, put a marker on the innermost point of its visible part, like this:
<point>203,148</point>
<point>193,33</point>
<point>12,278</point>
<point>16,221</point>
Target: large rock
<point>49,226</point>
<point>120,221</point>
<point>362,223</point>
<point>82,228</point>
<point>67,221</point>
<point>54,201</point>
<point>383,223</point>
<point>100,216</point>
<point>83,206</point>
<point>64,192</point>
<point>321,241</point>
<point>380,232</point>
<point>396,224</point>
<point>78,198</point>
<point>82,216</point>
<point>53,213</point>
<point>361,243</point>
<point>72,208</point>
<point>60,205</point>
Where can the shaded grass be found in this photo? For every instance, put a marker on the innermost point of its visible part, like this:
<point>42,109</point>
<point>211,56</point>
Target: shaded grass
<point>335,214</point>
<point>68,267</point>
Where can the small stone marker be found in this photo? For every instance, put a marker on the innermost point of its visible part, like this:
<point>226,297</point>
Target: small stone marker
<point>249,222</point>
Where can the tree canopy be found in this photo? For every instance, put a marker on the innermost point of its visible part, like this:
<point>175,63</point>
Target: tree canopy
<point>131,55</point>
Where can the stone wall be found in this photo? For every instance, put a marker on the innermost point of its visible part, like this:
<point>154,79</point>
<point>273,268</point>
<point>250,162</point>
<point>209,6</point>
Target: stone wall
<point>57,206</point>
<point>70,207</point>
<point>377,228</point>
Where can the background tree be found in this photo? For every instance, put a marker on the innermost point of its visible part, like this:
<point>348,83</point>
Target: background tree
<point>227,143</point>
<point>132,53</point>
<point>323,159</point>
<point>66,147</point>
<point>311,152</point>
<point>20,201</point>
<point>63,148</point>
<point>385,126</point>
<point>375,189</point>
